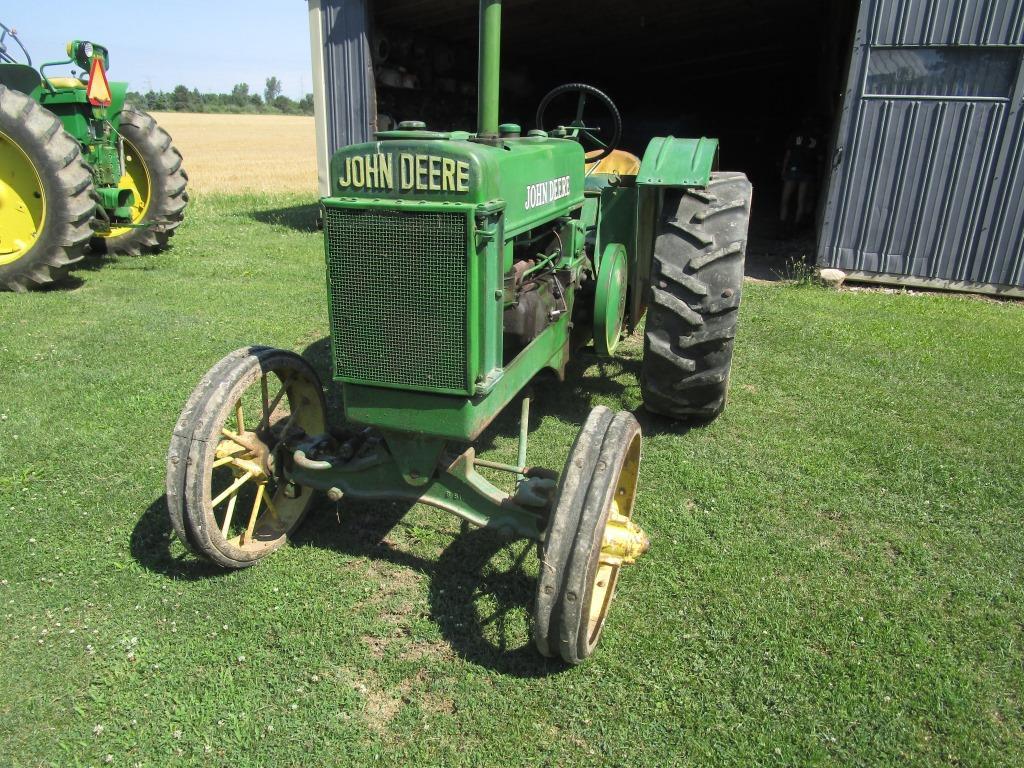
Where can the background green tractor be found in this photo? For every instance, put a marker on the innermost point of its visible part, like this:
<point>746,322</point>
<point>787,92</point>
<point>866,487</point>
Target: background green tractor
<point>79,168</point>
<point>460,268</point>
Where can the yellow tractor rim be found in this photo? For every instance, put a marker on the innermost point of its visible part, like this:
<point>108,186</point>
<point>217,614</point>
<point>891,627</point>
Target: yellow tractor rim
<point>136,178</point>
<point>22,202</point>
<point>622,543</point>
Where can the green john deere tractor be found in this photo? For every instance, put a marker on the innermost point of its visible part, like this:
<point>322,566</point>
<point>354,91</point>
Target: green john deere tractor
<point>79,169</point>
<point>460,266</point>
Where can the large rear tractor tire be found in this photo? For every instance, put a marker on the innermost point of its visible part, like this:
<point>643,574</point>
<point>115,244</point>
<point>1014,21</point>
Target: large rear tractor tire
<point>47,199</point>
<point>154,172</point>
<point>696,287</point>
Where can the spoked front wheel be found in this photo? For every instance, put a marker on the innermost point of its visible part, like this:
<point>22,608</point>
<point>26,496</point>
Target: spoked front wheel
<point>590,537</point>
<point>227,495</point>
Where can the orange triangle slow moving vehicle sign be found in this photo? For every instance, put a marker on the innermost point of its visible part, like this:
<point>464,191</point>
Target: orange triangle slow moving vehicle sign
<point>99,89</point>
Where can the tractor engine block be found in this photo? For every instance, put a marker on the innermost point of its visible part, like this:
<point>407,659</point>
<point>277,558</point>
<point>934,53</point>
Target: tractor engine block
<point>535,290</point>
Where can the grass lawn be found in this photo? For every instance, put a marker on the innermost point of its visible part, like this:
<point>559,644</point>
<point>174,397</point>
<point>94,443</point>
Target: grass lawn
<point>836,574</point>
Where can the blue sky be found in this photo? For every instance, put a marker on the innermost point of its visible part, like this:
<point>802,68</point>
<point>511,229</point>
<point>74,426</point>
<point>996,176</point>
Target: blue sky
<point>209,45</point>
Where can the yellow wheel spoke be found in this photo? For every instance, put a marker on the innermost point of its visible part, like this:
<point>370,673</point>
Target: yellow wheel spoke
<point>249,440</point>
<point>227,517</point>
<point>249,512</point>
<point>229,447</point>
<point>232,489</point>
<point>247,466</point>
<point>265,422</point>
<point>287,426</point>
<point>270,506</point>
<point>254,514</point>
<point>266,399</point>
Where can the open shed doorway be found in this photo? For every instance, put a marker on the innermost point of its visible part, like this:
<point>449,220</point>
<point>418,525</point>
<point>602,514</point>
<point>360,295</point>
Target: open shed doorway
<point>753,73</point>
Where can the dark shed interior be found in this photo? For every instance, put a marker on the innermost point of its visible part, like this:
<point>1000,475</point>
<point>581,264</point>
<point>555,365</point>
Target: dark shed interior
<point>749,72</point>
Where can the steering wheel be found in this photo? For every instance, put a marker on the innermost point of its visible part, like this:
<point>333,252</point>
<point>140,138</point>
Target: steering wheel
<point>580,130</point>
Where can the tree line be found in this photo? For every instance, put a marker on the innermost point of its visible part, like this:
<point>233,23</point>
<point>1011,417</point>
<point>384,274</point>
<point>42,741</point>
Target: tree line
<point>240,100</point>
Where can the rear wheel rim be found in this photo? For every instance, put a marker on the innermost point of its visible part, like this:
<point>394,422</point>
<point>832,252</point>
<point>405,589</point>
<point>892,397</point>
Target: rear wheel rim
<point>22,202</point>
<point>610,301</point>
<point>135,178</point>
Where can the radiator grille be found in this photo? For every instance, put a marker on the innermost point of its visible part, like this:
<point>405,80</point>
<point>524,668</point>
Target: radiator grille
<point>397,284</point>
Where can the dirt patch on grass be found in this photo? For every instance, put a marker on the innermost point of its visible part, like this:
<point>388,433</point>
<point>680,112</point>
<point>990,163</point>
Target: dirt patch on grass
<point>378,645</point>
<point>387,646</point>
<point>436,704</point>
<point>384,704</point>
<point>396,601</point>
<point>423,649</point>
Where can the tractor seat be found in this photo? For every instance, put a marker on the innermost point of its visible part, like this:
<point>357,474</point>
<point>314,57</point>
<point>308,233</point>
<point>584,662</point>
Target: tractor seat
<point>618,163</point>
<point>67,82</point>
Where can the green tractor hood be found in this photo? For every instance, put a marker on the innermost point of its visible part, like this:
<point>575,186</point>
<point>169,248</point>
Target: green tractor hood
<point>536,178</point>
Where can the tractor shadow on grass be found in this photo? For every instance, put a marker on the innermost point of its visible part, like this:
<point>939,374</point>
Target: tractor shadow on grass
<point>473,591</point>
<point>75,276</point>
<point>301,218</point>
<point>467,575</point>
<point>461,580</point>
<point>151,547</point>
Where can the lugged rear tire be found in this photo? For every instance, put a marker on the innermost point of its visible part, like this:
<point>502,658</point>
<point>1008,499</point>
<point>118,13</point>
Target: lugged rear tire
<point>64,184</point>
<point>168,194</point>
<point>696,288</point>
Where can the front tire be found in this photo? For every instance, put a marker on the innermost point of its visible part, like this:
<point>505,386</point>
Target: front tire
<point>590,537</point>
<point>154,172</point>
<point>47,198</point>
<point>228,497</point>
<point>696,287</point>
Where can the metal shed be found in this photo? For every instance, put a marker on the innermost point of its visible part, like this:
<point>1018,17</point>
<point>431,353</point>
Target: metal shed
<point>924,174</point>
<point>926,188</point>
<point>344,98</point>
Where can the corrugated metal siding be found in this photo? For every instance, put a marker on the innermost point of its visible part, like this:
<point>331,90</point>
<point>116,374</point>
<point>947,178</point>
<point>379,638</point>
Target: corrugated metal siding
<point>929,188</point>
<point>948,22</point>
<point>1001,255</point>
<point>917,163</point>
<point>348,73</point>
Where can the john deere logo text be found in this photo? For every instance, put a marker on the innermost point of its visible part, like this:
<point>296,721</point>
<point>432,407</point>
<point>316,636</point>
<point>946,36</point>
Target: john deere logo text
<point>404,172</point>
<point>546,192</point>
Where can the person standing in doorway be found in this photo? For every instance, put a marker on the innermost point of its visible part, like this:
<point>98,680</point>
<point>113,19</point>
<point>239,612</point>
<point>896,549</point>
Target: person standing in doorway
<point>800,168</point>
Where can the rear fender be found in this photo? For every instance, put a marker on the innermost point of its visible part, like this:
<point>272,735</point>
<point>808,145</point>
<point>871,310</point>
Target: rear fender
<point>672,162</point>
<point>668,163</point>
<point>118,94</point>
<point>20,77</point>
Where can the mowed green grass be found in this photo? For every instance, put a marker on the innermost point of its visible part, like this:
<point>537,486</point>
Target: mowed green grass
<point>836,576</point>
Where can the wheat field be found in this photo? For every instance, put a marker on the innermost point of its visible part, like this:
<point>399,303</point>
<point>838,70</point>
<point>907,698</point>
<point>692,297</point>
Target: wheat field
<point>245,153</point>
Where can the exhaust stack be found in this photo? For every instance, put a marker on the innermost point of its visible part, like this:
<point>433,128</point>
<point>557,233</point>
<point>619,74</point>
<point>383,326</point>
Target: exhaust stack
<point>489,83</point>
